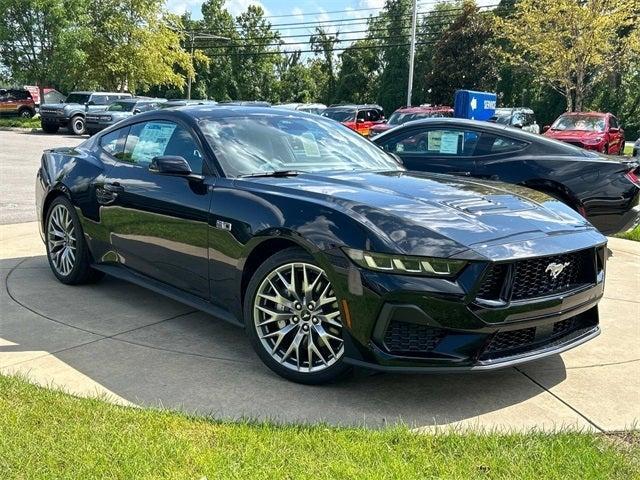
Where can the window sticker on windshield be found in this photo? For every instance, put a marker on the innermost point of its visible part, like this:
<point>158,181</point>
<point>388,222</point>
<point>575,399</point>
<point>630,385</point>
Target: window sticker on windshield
<point>449,142</point>
<point>153,141</point>
<point>310,145</point>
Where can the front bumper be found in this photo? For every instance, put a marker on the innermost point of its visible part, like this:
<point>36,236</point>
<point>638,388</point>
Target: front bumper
<point>95,124</point>
<point>431,325</point>
<point>54,119</point>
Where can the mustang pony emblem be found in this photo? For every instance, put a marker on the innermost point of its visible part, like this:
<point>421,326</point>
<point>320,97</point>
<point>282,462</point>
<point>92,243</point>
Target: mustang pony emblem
<point>556,269</point>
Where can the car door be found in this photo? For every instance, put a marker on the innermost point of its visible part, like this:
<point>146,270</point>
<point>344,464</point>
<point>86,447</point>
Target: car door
<point>616,137</point>
<point>158,223</point>
<point>441,149</point>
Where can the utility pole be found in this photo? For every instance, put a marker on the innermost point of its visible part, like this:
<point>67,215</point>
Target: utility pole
<point>412,52</point>
<point>193,36</point>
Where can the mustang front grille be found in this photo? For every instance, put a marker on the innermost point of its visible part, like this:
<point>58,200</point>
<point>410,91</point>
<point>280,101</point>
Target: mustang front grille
<point>538,277</point>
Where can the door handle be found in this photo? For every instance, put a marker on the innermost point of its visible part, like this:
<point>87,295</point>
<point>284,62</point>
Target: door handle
<point>113,187</point>
<point>108,192</point>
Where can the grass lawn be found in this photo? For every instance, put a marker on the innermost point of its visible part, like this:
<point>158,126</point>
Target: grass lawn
<point>631,234</point>
<point>48,434</point>
<point>19,122</point>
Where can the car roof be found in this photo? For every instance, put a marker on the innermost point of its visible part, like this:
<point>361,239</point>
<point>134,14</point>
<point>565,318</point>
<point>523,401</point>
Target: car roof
<point>591,114</point>
<point>513,110</point>
<point>89,92</point>
<point>355,106</point>
<point>424,109</point>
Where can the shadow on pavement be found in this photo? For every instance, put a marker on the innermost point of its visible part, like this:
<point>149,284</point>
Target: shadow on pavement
<point>153,351</point>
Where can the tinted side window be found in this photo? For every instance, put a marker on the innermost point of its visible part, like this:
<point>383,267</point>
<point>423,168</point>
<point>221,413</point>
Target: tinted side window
<point>506,145</point>
<point>374,116</point>
<point>613,122</point>
<point>362,115</point>
<point>100,99</point>
<point>113,143</point>
<point>152,139</point>
<point>438,142</point>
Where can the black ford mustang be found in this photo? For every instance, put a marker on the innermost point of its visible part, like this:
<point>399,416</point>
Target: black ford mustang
<point>604,189</point>
<point>320,244</point>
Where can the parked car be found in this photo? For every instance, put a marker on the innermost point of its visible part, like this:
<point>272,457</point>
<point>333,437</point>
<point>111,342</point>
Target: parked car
<point>51,95</point>
<point>71,114</point>
<point>636,148</point>
<point>604,189</point>
<point>590,130</point>
<point>316,108</point>
<point>119,110</point>
<point>408,114</point>
<point>17,101</point>
<point>177,102</point>
<point>522,118</point>
<point>360,118</point>
<point>320,244</point>
<point>246,103</point>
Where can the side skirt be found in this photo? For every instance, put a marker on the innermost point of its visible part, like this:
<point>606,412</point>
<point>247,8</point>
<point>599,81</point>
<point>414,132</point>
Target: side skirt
<point>169,291</point>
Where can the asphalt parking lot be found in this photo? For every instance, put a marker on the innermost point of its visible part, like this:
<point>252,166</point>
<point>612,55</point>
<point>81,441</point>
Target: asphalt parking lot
<point>141,348</point>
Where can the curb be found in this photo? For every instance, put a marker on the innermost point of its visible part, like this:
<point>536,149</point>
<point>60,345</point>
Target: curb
<point>18,129</point>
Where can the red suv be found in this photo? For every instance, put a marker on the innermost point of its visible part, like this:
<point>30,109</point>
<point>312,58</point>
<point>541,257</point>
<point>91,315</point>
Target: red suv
<point>360,118</point>
<point>590,130</point>
<point>408,114</point>
<point>17,102</point>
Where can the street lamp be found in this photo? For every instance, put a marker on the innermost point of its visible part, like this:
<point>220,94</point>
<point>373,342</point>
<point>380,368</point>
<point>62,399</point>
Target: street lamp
<point>193,36</point>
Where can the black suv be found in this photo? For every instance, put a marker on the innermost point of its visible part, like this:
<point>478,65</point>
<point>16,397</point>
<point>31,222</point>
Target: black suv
<point>71,114</point>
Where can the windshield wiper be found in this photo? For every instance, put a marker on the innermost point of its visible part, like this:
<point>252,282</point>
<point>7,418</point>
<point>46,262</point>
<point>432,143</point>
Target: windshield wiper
<point>274,173</point>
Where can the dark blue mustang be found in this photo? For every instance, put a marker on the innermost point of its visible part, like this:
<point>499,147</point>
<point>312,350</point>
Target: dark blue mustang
<point>320,244</point>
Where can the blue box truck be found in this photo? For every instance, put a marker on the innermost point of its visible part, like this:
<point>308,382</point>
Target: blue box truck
<point>474,105</point>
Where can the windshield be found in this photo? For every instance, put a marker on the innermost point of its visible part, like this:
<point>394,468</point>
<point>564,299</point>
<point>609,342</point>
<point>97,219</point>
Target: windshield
<point>81,98</point>
<point>121,107</point>
<point>590,123</point>
<point>340,114</point>
<point>254,144</point>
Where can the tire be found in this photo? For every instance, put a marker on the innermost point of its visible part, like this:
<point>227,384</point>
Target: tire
<point>26,113</point>
<point>77,125</point>
<point>281,324</point>
<point>49,128</point>
<point>63,231</point>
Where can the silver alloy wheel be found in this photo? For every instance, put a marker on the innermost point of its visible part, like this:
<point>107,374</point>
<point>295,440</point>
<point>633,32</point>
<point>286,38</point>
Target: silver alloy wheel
<point>61,240</point>
<point>78,125</point>
<point>297,318</point>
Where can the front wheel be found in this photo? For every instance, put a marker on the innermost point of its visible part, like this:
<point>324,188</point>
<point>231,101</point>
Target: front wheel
<point>49,128</point>
<point>293,319</point>
<point>67,249</point>
<point>26,113</point>
<point>77,125</point>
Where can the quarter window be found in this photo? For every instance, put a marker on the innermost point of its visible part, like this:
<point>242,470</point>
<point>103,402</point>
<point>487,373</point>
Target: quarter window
<point>113,143</point>
<point>152,139</point>
<point>506,145</point>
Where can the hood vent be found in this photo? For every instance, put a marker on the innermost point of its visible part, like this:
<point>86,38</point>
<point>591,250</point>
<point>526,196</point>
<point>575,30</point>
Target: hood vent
<point>490,204</point>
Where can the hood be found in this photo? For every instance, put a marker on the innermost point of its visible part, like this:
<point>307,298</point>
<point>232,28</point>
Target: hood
<point>381,127</point>
<point>573,134</point>
<point>438,215</point>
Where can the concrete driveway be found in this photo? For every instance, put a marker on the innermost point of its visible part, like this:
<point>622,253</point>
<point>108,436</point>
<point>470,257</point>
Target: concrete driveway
<point>138,347</point>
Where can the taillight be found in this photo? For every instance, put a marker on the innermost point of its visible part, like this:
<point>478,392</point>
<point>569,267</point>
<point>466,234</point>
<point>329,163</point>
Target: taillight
<point>632,176</point>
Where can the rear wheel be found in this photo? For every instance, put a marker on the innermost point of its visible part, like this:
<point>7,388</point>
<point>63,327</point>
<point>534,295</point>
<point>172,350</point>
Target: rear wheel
<point>67,250</point>
<point>293,319</point>
<point>50,128</point>
<point>77,125</point>
<point>25,113</point>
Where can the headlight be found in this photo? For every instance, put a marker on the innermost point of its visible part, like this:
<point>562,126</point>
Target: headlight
<point>405,264</point>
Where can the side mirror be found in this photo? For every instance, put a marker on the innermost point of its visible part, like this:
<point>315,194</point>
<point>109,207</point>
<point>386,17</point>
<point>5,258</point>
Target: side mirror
<point>614,130</point>
<point>518,125</point>
<point>360,120</point>
<point>173,165</point>
<point>136,111</point>
<point>89,103</point>
<point>545,128</point>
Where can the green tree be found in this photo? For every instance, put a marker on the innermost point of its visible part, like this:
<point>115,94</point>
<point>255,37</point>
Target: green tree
<point>323,44</point>
<point>359,72</point>
<point>134,45</point>
<point>464,56</point>
<point>568,45</point>
<point>39,41</point>
<point>297,81</point>
<point>393,26</point>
